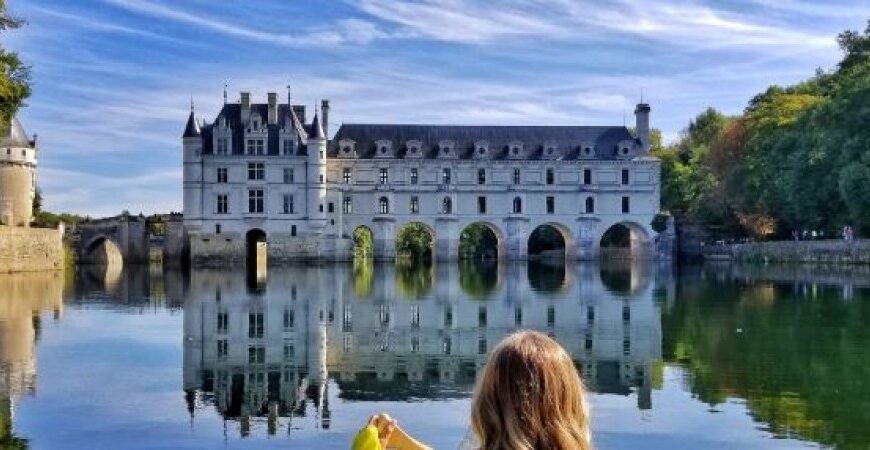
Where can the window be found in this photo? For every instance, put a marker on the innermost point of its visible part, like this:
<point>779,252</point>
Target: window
<point>255,147</point>
<point>256,171</point>
<point>516,176</point>
<point>448,318</point>
<point>347,205</point>
<point>590,315</point>
<point>518,205</point>
<point>414,175</point>
<point>217,228</point>
<point>289,351</point>
<point>222,147</point>
<point>223,204</point>
<point>518,317</point>
<point>481,205</point>
<point>481,316</point>
<point>481,346</point>
<point>587,176</point>
<point>385,176</point>
<point>445,176</point>
<point>255,325</point>
<point>447,206</point>
<point>330,207</point>
<point>320,179</point>
<point>415,205</point>
<point>222,175</point>
<point>222,349</point>
<point>320,207</point>
<point>345,175</point>
<point>624,176</point>
<point>321,154</point>
<point>384,205</point>
<point>289,318</point>
<point>626,205</point>
<point>550,176</point>
<point>223,322</point>
<point>626,314</point>
<point>256,354</point>
<point>293,231</point>
<point>551,205</point>
<point>289,176</point>
<point>288,207</point>
<point>481,176</point>
<point>288,147</point>
<point>255,201</point>
<point>590,205</point>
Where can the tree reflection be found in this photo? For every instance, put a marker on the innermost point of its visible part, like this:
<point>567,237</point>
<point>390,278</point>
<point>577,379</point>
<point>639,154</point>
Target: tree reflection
<point>800,363</point>
<point>413,281</point>
<point>478,278</point>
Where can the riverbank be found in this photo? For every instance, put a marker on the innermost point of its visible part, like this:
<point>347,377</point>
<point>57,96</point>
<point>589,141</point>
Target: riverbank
<point>824,252</point>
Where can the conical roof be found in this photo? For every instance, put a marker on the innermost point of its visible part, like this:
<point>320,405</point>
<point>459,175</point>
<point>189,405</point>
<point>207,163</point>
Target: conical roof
<point>316,129</point>
<point>192,128</point>
<point>16,137</point>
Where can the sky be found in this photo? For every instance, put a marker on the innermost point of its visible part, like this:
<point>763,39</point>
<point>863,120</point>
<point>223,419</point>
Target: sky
<point>113,79</point>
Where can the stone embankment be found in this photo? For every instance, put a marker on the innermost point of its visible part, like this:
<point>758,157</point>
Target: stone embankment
<point>25,249</point>
<point>824,252</point>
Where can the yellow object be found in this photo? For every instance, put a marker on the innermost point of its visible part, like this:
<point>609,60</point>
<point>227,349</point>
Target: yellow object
<point>367,439</point>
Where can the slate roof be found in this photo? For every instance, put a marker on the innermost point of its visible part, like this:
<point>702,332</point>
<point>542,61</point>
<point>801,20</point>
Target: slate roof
<point>192,128</point>
<point>568,139</point>
<point>16,136</point>
<point>233,114</point>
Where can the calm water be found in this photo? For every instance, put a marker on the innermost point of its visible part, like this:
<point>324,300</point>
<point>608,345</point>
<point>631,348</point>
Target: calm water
<point>711,357</point>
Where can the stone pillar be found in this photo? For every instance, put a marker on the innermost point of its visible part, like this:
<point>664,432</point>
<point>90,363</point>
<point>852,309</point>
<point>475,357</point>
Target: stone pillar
<point>587,247</point>
<point>447,240</point>
<point>515,241</point>
<point>384,239</point>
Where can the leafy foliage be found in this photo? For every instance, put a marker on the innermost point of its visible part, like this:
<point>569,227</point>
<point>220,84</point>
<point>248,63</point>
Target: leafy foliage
<point>478,241</point>
<point>14,75</point>
<point>414,242</point>
<point>797,158</point>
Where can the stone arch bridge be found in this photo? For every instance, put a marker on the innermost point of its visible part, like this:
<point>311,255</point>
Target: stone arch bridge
<point>121,239</point>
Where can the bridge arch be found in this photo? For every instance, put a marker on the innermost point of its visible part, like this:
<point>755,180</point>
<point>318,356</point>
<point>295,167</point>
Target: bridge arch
<point>481,240</point>
<point>415,240</point>
<point>625,240</point>
<point>101,249</point>
<point>551,240</point>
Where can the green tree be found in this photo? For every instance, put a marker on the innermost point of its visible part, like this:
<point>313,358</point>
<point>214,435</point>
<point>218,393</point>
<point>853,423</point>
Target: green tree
<point>14,75</point>
<point>414,242</point>
<point>363,243</point>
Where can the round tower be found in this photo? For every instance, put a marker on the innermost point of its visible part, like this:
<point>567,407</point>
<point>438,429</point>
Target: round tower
<point>316,175</point>
<point>17,175</point>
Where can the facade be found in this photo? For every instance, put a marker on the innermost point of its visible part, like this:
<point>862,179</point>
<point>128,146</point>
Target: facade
<point>260,171</point>
<point>274,352</point>
<point>17,176</point>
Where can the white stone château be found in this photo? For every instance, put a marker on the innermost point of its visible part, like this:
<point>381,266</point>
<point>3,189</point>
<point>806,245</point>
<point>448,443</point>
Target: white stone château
<point>261,172</point>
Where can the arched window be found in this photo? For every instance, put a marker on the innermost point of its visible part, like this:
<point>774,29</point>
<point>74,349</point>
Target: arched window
<point>590,205</point>
<point>518,205</point>
<point>447,206</point>
<point>384,205</point>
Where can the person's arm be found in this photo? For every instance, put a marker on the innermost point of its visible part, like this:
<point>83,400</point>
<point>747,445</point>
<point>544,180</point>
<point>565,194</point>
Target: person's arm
<point>401,440</point>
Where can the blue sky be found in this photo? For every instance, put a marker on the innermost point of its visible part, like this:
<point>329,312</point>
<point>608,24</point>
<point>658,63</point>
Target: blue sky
<point>113,78</point>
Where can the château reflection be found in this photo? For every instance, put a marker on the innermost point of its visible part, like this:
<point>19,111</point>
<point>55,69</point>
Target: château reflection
<point>393,332</point>
<point>24,297</point>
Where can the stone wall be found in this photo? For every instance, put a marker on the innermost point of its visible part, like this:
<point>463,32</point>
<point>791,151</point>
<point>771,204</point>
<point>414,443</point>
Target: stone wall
<point>828,252</point>
<point>221,250</point>
<point>30,249</point>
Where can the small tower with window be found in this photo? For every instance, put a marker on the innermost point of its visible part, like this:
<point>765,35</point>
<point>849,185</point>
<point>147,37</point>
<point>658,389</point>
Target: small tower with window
<point>316,182</point>
<point>17,174</point>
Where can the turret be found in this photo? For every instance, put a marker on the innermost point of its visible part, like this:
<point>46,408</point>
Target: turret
<point>317,173</point>
<point>641,115</point>
<point>17,175</point>
<point>192,176</point>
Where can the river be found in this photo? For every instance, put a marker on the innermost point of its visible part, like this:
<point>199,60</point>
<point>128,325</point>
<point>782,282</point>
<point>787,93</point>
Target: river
<point>701,357</point>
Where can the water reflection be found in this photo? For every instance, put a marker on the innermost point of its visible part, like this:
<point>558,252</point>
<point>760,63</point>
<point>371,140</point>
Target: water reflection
<point>23,299</point>
<point>401,333</point>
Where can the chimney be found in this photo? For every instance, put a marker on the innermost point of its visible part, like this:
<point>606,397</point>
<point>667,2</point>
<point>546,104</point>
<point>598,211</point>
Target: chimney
<point>641,116</point>
<point>324,116</point>
<point>246,108</point>
<point>273,108</point>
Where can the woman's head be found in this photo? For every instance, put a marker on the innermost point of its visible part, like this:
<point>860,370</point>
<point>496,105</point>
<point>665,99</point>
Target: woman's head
<point>530,397</point>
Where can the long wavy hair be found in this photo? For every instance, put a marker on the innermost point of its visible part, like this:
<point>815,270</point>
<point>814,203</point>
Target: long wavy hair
<point>529,397</point>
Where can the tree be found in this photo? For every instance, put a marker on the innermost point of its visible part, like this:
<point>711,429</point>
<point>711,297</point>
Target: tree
<point>14,75</point>
<point>855,46</point>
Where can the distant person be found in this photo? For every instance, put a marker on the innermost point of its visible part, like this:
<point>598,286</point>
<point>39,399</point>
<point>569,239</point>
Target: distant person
<point>846,233</point>
<point>795,235</point>
<point>528,397</point>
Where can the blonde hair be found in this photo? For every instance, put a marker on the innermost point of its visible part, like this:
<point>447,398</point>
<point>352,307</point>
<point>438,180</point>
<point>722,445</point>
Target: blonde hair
<point>530,396</point>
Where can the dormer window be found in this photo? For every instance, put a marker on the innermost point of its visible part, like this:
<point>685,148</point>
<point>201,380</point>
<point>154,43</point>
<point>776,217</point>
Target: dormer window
<point>384,148</point>
<point>625,149</point>
<point>480,148</point>
<point>414,147</point>
<point>445,148</point>
<point>587,150</point>
<point>346,147</point>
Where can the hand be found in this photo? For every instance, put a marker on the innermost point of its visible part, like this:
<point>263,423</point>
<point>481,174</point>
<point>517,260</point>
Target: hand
<point>385,425</point>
